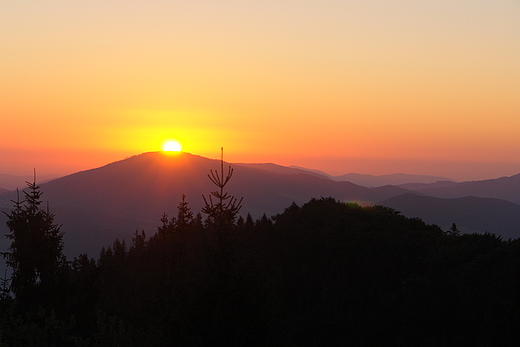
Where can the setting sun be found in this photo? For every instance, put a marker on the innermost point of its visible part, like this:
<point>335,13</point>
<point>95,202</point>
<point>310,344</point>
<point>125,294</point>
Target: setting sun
<point>172,146</point>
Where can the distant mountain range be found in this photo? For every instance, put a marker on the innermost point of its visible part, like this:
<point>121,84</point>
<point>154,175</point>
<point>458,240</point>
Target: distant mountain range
<point>470,213</point>
<point>393,179</point>
<point>379,181</point>
<point>286,170</point>
<point>507,188</point>
<point>96,206</point>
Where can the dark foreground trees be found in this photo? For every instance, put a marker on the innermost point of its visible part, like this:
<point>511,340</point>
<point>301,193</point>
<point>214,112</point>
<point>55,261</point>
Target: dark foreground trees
<point>324,273</point>
<point>36,252</point>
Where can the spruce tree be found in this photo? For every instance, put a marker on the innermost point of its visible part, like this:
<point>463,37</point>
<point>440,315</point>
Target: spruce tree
<point>184,215</point>
<point>36,252</point>
<point>454,231</point>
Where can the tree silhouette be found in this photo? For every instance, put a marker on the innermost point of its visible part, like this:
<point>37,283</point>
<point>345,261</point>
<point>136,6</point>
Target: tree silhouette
<point>222,241</point>
<point>183,224</point>
<point>184,215</point>
<point>223,212</point>
<point>454,231</point>
<point>36,252</point>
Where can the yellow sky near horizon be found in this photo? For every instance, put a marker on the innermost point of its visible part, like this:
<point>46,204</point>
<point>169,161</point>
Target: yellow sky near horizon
<point>341,86</point>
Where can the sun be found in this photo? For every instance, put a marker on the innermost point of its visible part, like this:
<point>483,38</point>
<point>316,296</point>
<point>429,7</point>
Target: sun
<point>172,146</point>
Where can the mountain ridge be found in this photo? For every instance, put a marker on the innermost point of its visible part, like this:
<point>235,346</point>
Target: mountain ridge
<point>506,188</point>
<point>96,206</point>
<point>470,213</point>
<point>116,199</point>
<point>287,170</point>
<point>392,179</point>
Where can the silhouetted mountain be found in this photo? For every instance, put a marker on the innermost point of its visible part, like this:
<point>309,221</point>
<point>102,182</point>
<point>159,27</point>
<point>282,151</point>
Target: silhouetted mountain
<point>393,179</point>
<point>439,184</point>
<point>318,172</point>
<point>507,188</point>
<point>96,206</point>
<point>2,190</point>
<point>402,180</point>
<point>471,214</point>
<point>284,169</point>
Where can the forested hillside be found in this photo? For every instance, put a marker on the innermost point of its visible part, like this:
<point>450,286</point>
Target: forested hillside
<point>324,273</point>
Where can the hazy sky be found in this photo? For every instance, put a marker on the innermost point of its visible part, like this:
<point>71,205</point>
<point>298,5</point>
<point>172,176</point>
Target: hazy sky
<point>422,87</point>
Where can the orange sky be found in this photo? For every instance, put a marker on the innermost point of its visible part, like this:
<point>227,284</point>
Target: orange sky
<point>344,86</point>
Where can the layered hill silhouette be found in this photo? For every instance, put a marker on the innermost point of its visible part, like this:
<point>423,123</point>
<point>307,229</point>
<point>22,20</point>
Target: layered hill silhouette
<point>506,188</point>
<point>438,184</point>
<point>365,180</point>
<point>96,206</point>
<point>470,213</point>
<point>392,179</point>
<point>285,170</point>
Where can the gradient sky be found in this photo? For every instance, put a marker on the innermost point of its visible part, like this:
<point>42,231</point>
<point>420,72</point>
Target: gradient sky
<point>377,87</point>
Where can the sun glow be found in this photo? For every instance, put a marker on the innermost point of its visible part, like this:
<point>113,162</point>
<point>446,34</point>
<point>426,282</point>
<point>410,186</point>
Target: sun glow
<point>172,146</point>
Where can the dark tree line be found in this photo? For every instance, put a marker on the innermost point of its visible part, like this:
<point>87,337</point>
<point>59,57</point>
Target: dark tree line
<point>324,273</point>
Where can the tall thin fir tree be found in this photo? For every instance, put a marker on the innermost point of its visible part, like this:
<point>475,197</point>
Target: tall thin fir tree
<point>223,212</point>
<point>36,251</point>
<point>221,216</point>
